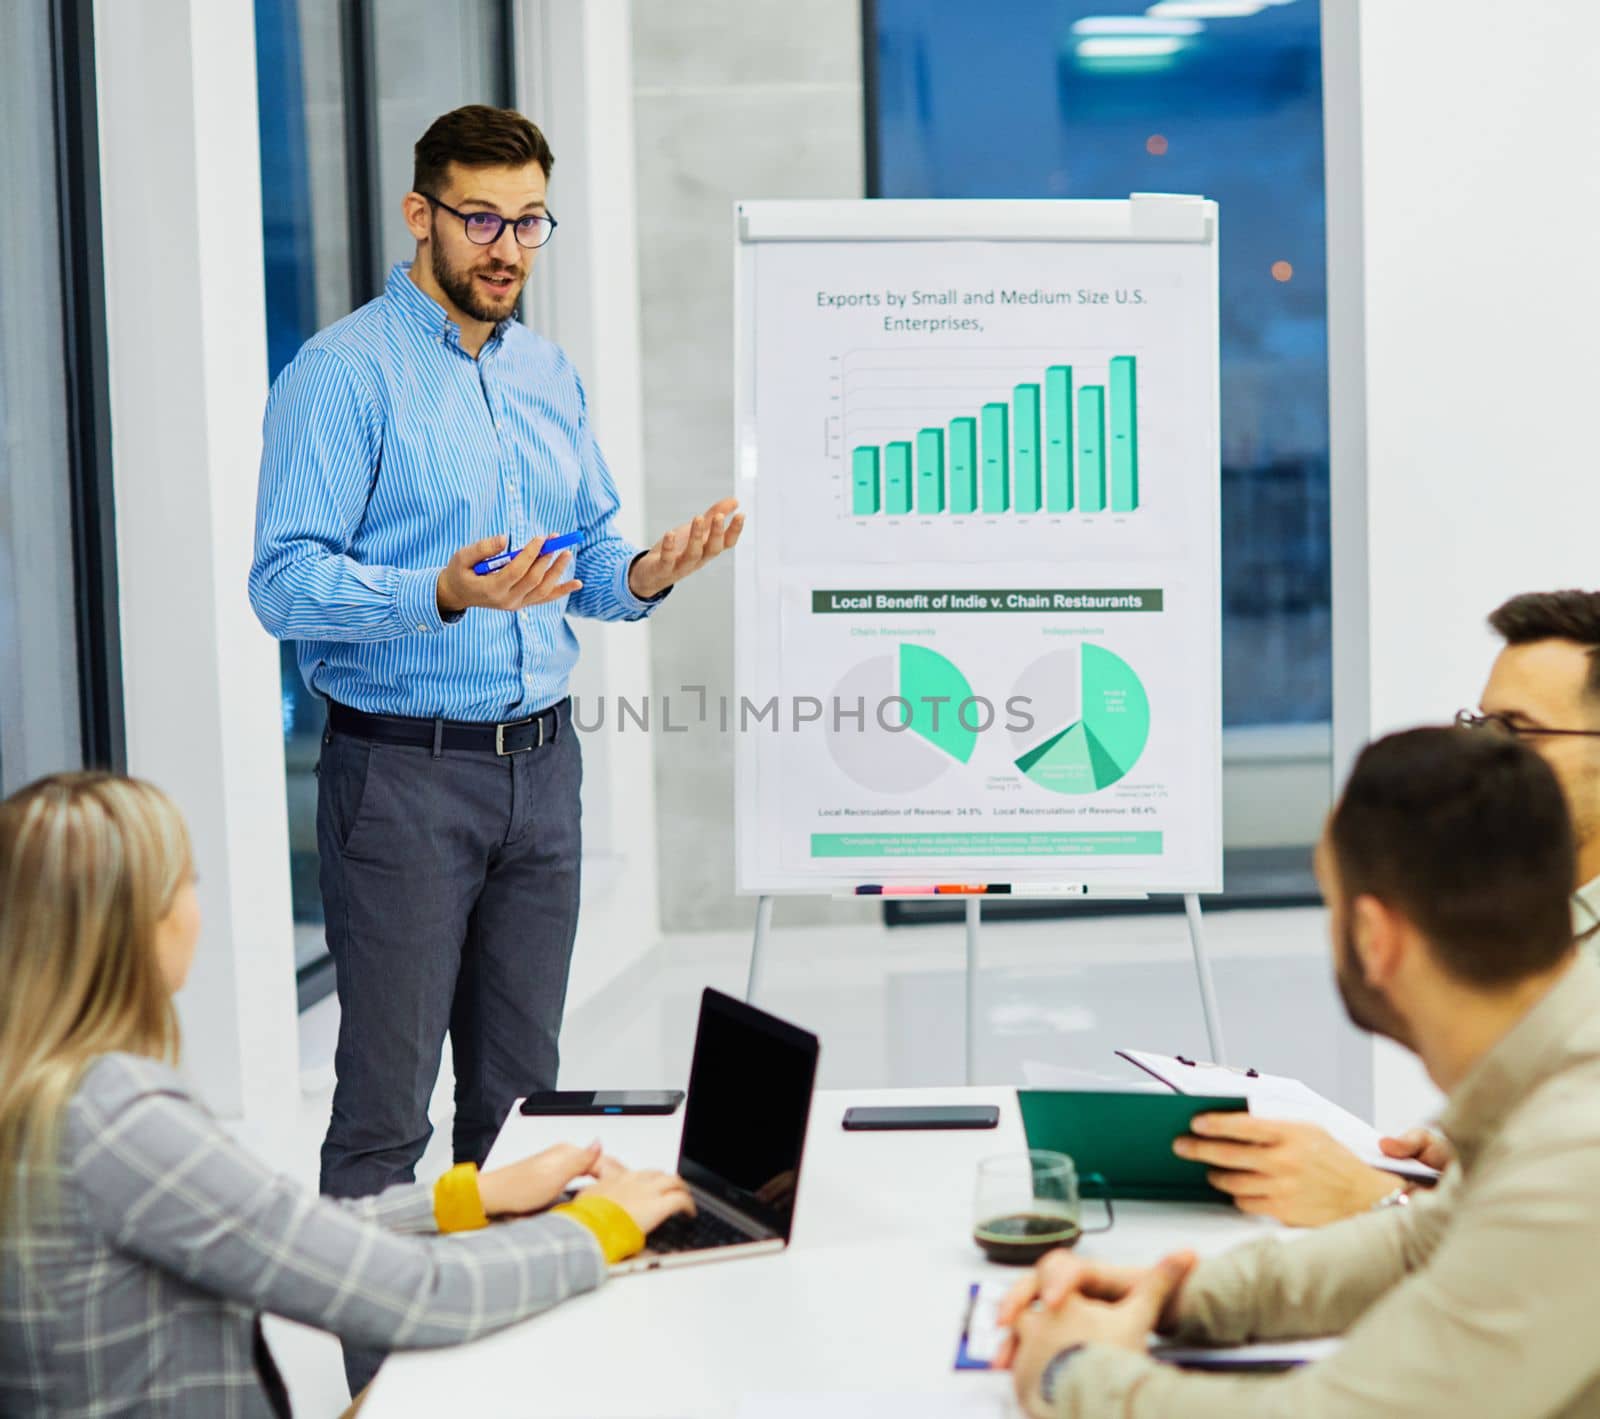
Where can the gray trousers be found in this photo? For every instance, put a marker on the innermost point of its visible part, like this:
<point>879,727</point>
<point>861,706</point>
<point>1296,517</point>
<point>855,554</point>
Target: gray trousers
<point>450,891</point>
<point>450,888</point>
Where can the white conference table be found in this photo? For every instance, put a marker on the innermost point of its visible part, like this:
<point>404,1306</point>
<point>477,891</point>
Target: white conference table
<point>868,1297</point>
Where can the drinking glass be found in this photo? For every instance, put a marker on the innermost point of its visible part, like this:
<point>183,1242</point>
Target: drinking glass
<point>1028,1203</point>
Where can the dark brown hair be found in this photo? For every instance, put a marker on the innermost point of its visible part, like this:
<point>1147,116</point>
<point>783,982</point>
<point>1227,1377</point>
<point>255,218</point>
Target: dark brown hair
<point>476,136</point>
<point>1554,616</point>
<point>1466,835</point>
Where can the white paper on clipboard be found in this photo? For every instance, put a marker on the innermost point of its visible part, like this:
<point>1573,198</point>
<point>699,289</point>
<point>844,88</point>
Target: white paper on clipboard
<point>1277,1096</point>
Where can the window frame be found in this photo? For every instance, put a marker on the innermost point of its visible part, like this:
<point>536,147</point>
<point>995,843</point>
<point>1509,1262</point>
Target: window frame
<point>363,171</point>
<point>1264,876</point>
<point>88,675</point>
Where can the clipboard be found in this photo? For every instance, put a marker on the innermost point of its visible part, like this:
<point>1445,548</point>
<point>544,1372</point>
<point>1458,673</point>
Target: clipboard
<point>1126,1138</point>
<point>1276,1096</point>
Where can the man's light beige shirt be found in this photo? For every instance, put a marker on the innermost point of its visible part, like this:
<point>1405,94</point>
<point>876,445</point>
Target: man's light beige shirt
<point>1481,1300</point>
<point>1586,915</point>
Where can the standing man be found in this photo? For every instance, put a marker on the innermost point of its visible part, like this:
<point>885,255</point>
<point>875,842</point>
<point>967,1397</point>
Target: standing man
<point>1544,689</point>
<point>405,444</point>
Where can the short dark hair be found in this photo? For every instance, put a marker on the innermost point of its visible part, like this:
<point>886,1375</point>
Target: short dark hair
<point>1554,616</point>
<point>476,136</point>
<point>1468,836</point>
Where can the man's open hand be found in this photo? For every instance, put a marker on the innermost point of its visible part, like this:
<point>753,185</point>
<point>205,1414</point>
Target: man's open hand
<point>685,549</point>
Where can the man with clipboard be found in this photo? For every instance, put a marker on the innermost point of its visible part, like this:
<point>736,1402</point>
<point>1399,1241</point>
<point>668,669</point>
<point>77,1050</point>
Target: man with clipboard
<point>1543,689</point>
<point>1447,867</point>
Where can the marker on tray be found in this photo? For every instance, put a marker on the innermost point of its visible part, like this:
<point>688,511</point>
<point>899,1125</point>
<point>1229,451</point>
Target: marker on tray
<point>974,889</point>
<point>937,889</point>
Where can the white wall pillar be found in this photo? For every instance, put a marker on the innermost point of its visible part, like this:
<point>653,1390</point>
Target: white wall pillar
<point>1462,298</point>
<point>179,155</point>
<point>577,85</point>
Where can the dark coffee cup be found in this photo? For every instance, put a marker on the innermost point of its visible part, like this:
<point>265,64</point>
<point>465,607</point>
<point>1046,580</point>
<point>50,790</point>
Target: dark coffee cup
<point>1021,1238</point>
<point>1028,1204</point>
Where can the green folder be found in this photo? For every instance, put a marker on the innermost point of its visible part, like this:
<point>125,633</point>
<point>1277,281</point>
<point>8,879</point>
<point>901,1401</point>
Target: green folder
<point>1126,1138</point>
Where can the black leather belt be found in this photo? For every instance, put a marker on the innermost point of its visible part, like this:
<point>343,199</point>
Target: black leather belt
<point>515,736</point>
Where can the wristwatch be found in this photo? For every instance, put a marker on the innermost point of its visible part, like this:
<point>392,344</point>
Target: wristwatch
<point>1053,1372</point>
<point>1400,1197</point>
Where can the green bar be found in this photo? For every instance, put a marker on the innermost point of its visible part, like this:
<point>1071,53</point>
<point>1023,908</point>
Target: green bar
<point>864,481</point>
<point>979,601</point>
<point>963,465</point>
<point>1092,448</point>
<point>897,490</point>
<point>930,470</point>
<point>996,458</point>
<point>1058,438</point>
<point>1124,435</point>
<point>1026,398</point>
<point>987,844</point>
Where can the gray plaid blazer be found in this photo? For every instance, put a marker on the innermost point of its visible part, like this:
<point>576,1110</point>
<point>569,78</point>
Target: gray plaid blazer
<point>141,1295</point>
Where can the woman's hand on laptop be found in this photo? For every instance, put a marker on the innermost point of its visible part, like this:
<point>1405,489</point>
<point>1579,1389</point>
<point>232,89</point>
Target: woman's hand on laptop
<point>534,1183</point>
<point>648,1197</point>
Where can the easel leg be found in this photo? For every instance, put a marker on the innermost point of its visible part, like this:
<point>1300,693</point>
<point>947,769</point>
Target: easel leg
<point>974,908</point>
<point>763,928</point>
<point>1202,970</point>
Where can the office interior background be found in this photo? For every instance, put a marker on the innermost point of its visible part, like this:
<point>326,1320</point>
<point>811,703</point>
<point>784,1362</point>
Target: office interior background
<point>1408,195</point>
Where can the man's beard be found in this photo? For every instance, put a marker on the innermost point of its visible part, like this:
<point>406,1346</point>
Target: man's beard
<point>1366,1006</point>
<point>460,284</point>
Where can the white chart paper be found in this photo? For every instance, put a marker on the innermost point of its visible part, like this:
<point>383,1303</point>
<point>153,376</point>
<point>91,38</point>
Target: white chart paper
<point>982,579</point>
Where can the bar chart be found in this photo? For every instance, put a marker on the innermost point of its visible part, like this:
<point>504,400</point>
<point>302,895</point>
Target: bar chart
<point>1062,439</point>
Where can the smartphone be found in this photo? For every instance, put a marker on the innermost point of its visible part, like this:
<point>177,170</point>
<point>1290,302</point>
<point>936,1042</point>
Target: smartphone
<point>603,1101</point>
<point>922,1116</point>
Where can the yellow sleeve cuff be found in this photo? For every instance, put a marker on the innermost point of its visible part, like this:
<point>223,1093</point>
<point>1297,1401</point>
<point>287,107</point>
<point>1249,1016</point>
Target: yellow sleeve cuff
<point>457,1205</point>
<point>618,1234</point>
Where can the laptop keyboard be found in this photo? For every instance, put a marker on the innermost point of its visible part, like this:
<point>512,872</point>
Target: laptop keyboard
<point>697,1233</point>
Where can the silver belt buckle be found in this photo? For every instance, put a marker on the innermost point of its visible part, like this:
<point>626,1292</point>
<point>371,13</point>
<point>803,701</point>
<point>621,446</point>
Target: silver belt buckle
<point>500,738</point>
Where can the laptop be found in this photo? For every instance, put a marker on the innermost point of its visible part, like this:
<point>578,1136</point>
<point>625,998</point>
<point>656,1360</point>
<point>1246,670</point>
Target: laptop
<point>744,1130</point>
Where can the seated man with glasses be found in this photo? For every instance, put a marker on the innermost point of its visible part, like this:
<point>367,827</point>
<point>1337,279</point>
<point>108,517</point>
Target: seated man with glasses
<point>1544,690</point>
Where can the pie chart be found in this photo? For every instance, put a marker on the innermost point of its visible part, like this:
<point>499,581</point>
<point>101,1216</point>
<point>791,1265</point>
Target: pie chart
<point>1091,720</point>
<point>925,734</point>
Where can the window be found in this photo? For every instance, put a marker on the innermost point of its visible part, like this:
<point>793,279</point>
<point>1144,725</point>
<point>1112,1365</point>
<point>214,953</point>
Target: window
<point>345,88</point>
<point>1068,98</point>
<point>60,694</point>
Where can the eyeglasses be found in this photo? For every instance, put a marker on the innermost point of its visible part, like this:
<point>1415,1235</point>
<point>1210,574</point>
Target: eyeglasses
<point>1500,724</point>
<point>484,228</point>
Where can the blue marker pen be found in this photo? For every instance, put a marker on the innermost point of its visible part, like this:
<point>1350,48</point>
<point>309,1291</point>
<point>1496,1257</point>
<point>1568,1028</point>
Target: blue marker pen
<point>551,544</point>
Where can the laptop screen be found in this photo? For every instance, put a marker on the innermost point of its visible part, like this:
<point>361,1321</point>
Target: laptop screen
<point>744,1126</point>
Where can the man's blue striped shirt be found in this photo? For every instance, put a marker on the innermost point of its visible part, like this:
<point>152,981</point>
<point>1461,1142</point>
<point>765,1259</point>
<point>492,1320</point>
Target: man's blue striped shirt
<point>388,448</point>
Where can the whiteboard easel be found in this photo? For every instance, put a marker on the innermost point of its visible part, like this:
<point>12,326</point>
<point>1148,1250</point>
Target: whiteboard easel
<point>878,236</point>
<point>974,910</point>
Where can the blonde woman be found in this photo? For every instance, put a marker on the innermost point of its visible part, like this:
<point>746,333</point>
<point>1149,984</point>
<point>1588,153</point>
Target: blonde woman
<point>138,1241</point>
